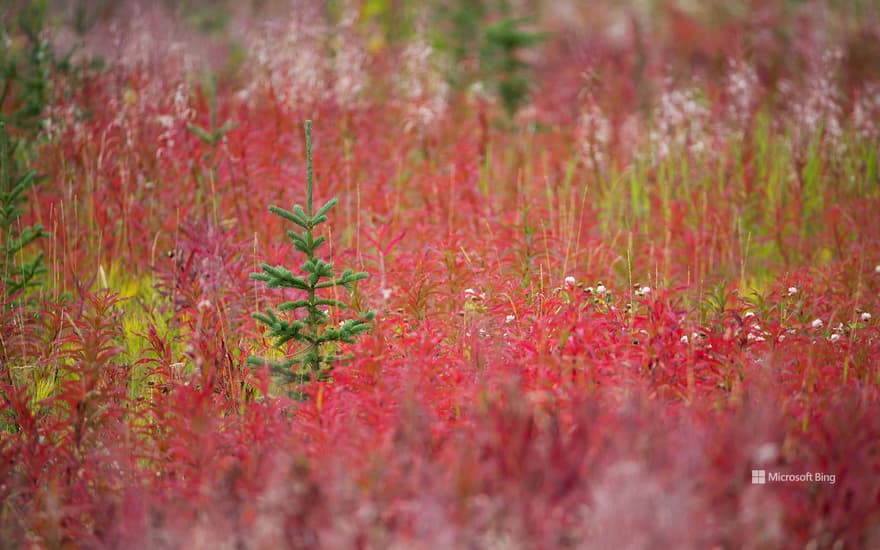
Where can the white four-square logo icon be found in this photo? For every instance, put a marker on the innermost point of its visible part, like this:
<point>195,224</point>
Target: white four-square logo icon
<point>759,477</point>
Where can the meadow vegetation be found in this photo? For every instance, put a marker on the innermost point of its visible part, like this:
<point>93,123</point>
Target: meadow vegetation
<point>598,261</point>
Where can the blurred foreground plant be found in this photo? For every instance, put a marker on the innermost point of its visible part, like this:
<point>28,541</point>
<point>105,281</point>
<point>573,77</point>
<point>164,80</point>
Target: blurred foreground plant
<point>319,355</point>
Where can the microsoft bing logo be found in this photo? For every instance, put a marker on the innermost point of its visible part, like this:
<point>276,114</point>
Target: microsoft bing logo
<point>761,477</point>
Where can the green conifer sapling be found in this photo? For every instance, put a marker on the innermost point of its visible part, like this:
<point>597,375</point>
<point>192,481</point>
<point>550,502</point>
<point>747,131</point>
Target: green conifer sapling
<point>317,276</point>
<point>18,274</point>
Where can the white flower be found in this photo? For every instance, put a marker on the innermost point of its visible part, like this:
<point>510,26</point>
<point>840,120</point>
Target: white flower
<point>684,339</point>
<point>865,316</point>
<point>781,338</point>
<point>749,314</point>
<point>817,323</point>
<point>386,293</point>
<point>600,290</point>
<point>792,290</point>
<point>510,319</point>
<point>590,290</point>
<point>877,268</point>
<point>835,337</point>
<point>643,290</point>
<point>204,304</point>
<point>570,281</point>
<point>759,339</point>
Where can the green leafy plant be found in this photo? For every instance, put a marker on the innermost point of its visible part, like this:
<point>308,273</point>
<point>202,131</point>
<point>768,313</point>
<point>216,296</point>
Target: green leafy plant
<point>30,69</point>
<point>26,71</point>
<point>320,340</point>
<point>25,85</point>
<point>460,38</point>
<point>18,273</point>
<point>501,61</point>
<point>214,133</point>
<point>485,43</point>
<point>212,137</point>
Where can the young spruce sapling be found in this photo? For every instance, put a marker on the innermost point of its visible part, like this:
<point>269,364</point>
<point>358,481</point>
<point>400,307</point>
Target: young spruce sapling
<point>311,329</point>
